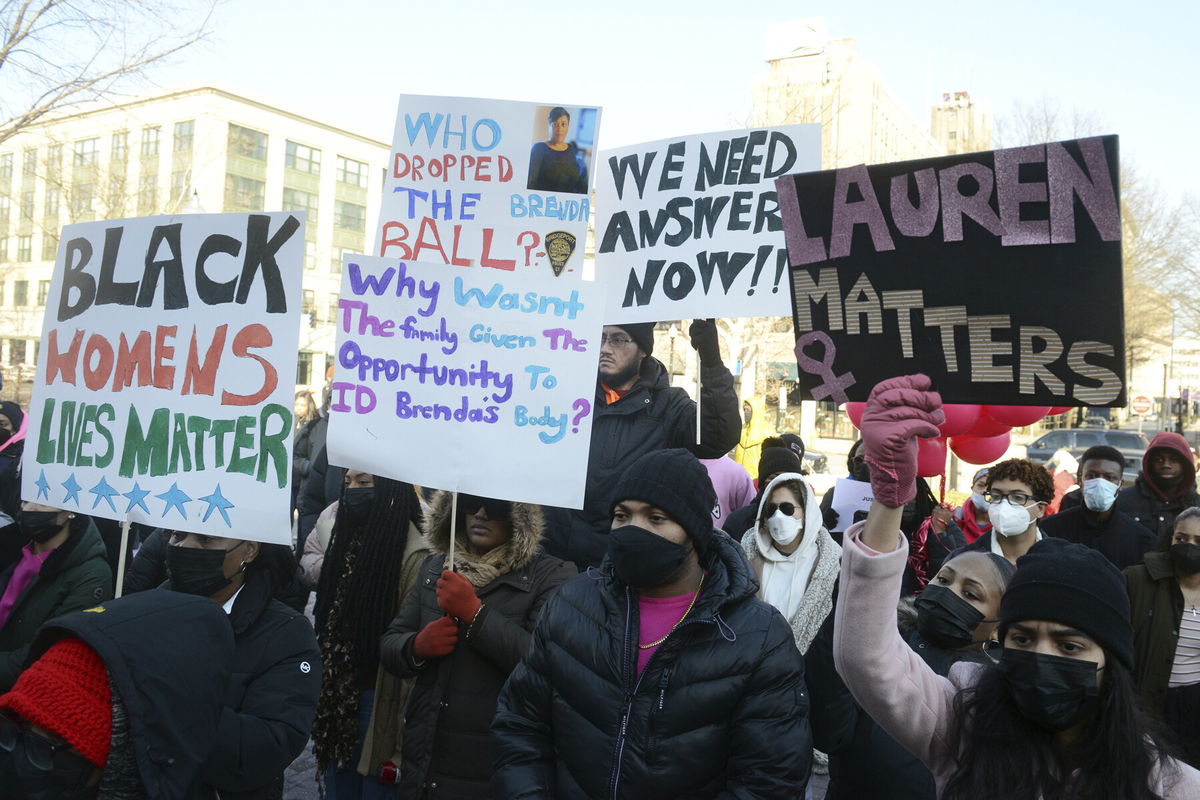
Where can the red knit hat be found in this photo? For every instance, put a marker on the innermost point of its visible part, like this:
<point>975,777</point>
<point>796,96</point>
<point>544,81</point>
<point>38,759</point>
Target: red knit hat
<point>66,692</point>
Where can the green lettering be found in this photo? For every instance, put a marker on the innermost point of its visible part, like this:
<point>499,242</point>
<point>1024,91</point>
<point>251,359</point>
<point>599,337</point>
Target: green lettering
<point>220,427</point>
<point>45,451</point>
<point>179,445</point>
<point>199,426</point>
<point>66,421</point>
<point>274,444</point>
<point>89,419</point>
<point>243,439</point>
<point>146,451</point>
<point>105,411</point>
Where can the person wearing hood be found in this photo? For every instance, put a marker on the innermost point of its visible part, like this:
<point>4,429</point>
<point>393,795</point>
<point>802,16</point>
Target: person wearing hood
<point>1096,523</point>
<point>121,701</point>
<point>952,620</point>
<point>775,458</point>
<point>660,674</point>
<point>636,410</point>
<point>1018,493</point>
<point>755,428</point>
<point>13,426</point>
<point>62,568</point>
<point>1165,486</point>
<point>461,633</point>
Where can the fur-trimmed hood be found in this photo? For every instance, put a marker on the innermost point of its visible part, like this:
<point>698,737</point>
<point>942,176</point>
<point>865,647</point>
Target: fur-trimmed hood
<point>528,525</point>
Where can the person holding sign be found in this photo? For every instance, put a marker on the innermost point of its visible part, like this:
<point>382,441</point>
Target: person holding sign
<point>660,674</point>
<point>461,633</point>
<point>1056,715</point>
<point>557,165</point>
<point>637,411</point>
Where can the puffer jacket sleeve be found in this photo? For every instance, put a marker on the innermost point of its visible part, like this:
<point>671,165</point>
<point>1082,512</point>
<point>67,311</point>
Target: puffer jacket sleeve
<point>720,416</point>
<point>504,641</point>
<point>256,743</point>
<point>395,646</point>
<point>771,744</point>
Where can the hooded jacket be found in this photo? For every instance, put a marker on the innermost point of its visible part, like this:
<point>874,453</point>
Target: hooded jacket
<point>754,430</point>
<point>168,657</point>
<point>1156,506</point>
<point>819,560</point>
<point>653,415</point>
<point>720,710</point>
<point>446,750</point>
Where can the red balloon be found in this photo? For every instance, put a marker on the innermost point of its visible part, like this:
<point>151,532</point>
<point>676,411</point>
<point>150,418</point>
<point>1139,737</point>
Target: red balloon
<point>987,427</point>
<point>855,412</point>
<point>960,418</point>
<point>980,449</point>
<point>1015,416</point>
<point>931,457</point>
<point>1056,410</point>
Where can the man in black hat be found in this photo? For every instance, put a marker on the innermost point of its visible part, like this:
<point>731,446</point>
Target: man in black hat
<point>637,411</point>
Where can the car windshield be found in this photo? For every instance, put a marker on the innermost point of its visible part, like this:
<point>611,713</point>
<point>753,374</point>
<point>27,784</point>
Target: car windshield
<point>1127,440</point>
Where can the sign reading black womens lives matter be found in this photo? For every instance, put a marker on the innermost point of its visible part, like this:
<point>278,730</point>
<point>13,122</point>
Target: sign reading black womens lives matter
<point>998,274</point>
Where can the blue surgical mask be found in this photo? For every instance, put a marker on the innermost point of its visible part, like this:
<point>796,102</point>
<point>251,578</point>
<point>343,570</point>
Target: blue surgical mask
<point>1099,494</point>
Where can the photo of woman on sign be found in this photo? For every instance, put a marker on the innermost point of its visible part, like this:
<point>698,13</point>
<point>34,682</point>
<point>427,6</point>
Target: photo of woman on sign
<point>559,165</point>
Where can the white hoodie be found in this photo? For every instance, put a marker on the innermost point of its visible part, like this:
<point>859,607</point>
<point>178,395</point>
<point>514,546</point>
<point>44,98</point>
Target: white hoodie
<point>785,577</point>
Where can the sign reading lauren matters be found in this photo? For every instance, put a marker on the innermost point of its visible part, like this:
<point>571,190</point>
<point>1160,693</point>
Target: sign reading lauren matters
<point>997,273</point>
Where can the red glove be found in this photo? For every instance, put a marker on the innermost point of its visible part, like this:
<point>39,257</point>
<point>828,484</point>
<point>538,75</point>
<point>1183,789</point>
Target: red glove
<point>898,411</point>
<point>436,640</point>
<point>456,596</point>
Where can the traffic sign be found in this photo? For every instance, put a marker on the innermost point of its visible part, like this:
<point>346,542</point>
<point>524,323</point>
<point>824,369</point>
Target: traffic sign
<point>1141,404</point>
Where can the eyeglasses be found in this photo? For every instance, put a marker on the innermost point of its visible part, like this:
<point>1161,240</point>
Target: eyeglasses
<point>1016,498</point>
<point>619,342</point>
<point>495,509</point>
<point>45,754</point>
<point>769,510</point>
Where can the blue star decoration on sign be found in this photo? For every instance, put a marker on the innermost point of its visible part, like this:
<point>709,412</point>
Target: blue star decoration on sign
<point>104,492</point>
<point>217,502</point>
<point>137,497</point>
<point>73,488</point>
<point>43,486</point>
<point>174,498</point>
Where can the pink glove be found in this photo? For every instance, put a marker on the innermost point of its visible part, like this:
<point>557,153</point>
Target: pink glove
<point>898,411</point>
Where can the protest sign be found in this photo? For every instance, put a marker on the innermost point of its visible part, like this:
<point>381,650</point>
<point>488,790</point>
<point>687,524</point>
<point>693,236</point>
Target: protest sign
<point>851,501</point>
<point>998,274</point>
<point>689,227</point>
<point>490,183</point>
<point>164,388</point>
<point>468,380</point>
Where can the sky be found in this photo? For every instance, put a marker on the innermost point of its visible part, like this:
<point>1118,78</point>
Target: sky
<point>663,68</point>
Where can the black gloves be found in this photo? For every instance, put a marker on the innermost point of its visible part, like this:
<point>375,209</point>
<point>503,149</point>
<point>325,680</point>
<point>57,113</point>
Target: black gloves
<point>703,333</point>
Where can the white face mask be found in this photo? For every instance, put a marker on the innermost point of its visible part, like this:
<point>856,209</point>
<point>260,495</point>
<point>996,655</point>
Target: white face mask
<point>1099,494</point>
<point>1007,519</point>
<point>784,529</point>
<point>978,501</point>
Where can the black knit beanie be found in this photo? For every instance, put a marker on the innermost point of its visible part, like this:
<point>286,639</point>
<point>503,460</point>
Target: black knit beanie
<point>642,334</point>
<point>1073,585</point>
<point>674,481</point>
<point>774,460</point>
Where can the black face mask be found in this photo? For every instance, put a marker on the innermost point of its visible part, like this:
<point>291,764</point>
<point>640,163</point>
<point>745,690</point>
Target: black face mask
<point>944,619</point>
<point>1186,558</point>
<point>642,559</point>
<point>5,435</point>
<point>194,570</point>
<point>40,526</point>
<point>1052,692</point>
<point>358,503</point>
<point>65,780</point>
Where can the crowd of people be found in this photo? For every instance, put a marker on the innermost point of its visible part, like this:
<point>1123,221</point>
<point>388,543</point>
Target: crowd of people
<point>692,631</point>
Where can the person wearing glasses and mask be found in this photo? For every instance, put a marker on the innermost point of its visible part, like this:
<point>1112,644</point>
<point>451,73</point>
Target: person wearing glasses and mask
<point>461,632</point>
<point>1017,495</point>
<point>637,411</point>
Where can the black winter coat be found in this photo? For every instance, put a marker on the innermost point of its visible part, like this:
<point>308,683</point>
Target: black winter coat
<point>1144,504</point>
<point>322,486</point>
<point>651,416</point>
<point>446,750</point>
<point>720,710</point>
<point>270,700</point>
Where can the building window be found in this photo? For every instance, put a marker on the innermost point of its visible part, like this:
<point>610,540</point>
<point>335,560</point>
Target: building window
<point>49,253</point>
<point>24,252</point>
<point>4,207</point>
<point>349,216</point>
<point>184,134</point>
<point>21,290</point>
<point>335,263</point>
<point>120,145</point>
<point>29,162</point>
<point>179,185</point>
<point>53,195</point>
<point>296,200</point>
<point>351,171</point>
<point>310,255</point>
<point>333,310</point>
<point>244,193</point>
<point>85,152</point>
<point>3,256</point>
<point>308,301</point>
<point>303,368</point>
<point>147,194</point>
<point>6,162</point>
<point>81,201</point>
<point>150,140</point>
<point>303,158</point>
<point>247,143</point>
<point>53,160</point>
<point>27,204</point>
<point>43,289</point>
<point>16,352</point>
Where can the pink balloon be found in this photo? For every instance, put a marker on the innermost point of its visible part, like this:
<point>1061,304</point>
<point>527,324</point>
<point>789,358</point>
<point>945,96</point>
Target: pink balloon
<point>1015,416</point>
<point>980,449</point>
<point>960,418</point>
<point>985,426</point>
<point>931,457</point>
<point>855,412</point>
<point>1056,410</point>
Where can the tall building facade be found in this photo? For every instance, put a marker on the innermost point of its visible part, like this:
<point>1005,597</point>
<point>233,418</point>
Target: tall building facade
<point>201,150</point>
<point>961,124</point>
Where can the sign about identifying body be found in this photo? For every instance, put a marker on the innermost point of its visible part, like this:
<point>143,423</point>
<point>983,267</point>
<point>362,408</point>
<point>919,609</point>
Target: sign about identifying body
<point>489,183</point>
<point>468,379</point>
<point>998,274</point>
<point>690,227</point>
<point>164,386</point>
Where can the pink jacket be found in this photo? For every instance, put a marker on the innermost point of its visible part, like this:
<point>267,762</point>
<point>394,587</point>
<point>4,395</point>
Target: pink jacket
<point>908,699</point>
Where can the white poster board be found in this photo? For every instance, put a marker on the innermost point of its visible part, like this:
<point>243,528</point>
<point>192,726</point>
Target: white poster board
<point>689,227</point>
<point>491,183</point>
<point>468,380</point>
<point>850,496</point>
<point>164,388</point>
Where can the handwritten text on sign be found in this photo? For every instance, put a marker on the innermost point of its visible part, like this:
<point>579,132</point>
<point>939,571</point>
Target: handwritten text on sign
<point>469,380</point>
<point>690,227</point>
<point>158,393</point>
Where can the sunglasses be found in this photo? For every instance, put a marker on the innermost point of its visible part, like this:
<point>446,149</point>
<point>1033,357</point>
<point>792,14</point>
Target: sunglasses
<point>496,509</point>
<point>45,754</point>
<point>788,509</point>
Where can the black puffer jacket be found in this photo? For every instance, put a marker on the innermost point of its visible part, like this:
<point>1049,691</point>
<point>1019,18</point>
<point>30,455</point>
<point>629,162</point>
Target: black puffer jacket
<point>446,749</point>
<point>651,416</point>
<point>720,710</point>
<point>270,700</point>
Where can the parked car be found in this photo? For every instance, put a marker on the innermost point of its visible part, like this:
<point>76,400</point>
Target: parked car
<point>1131,444</point>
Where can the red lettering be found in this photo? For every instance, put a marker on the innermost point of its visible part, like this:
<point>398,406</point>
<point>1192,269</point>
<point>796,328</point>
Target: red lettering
<point>253,335</point>
<point>397,172</point>
<point>62,363</point>
<point>130,357</point>
<point>506,170</point>
<point>428,225</point>
<point>387,241</point>
<point>204,377</point>
<point>495,263</point>
<point>482,163</point>
<point>94,377</point>
<point>454,257</point>
<point>164,374</point>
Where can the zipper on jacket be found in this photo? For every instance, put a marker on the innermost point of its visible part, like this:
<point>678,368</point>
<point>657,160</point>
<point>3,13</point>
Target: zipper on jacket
<point>662,687</point>
<point>619,748</point>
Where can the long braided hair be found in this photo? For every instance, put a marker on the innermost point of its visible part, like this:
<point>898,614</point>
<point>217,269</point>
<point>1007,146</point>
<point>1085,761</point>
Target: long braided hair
<point>356,600</point>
